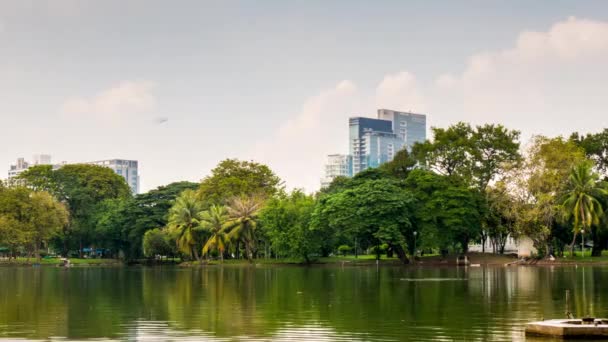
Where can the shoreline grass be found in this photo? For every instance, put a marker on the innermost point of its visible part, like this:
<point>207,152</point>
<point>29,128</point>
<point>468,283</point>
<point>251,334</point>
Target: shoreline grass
<point>348,260</point>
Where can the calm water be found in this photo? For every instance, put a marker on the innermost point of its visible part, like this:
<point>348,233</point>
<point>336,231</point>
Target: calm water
<point>291,303</point>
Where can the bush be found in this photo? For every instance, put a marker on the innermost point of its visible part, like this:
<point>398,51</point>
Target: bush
<point>344,249</point>
<point>157,242</point>
<point>379,250</point>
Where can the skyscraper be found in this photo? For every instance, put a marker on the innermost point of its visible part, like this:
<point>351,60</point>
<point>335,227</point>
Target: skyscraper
<point>373,142</point>
<point>410,127</point>
<point>360,136</point>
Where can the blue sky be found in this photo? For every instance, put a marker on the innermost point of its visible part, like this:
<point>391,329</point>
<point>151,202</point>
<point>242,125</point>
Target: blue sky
<point>275,81</point>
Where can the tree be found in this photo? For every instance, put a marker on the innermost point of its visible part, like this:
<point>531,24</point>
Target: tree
<point>502,217</point>
<point>582,203</point>
<point>234,178</point>
<point>446,213</point>
<point>184,220</point>
<point>458,215</point>
<point>286,221</point>
<point>81,187</point>
<point>29,219</point>
<point>596,148</point>
<point>147,211</point>
<point>47,217</point>
<point>40,178</point>
<point>243,212</point>
<point>401,165</point>
<point>157,242</point>
<point>493,147</point>
<point>215,220</point>
<point>538,185</point>
<point>12,236</point>
<point>374,212</point>
<point>449,153</point>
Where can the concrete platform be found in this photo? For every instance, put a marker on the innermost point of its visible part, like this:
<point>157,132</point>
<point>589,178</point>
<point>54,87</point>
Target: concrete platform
<point>570,328</point>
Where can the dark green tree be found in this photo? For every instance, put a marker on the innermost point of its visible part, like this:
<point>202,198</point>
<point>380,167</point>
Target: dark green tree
<point>286,221</point>
<point>372,213</point>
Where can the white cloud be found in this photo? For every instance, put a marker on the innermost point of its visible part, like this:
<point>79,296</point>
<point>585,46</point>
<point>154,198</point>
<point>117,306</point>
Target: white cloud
<point>117,104</point>
<point>550,82</point>
<point>400,92</point>
<point>298,150</point>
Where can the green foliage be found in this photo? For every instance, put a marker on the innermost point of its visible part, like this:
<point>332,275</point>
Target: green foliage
<point>446,212</point>
<point>82,187</point>
<point>184,221</point>
<point>502,216</point>
<point>215,222</point>
<point>158,242</point>
<point>400,166</point>
<point>583,194</point>
<point>493,148</point>
<point>148,211</point>
<point>243,212</point>
<point>233,178</point>
<point>286,221</point>
<point>476,155</point>
<point>449,153</point>
<point>29,219</point>
<point>596,148</point>
<point>344,249</point>
<point>374,212</point>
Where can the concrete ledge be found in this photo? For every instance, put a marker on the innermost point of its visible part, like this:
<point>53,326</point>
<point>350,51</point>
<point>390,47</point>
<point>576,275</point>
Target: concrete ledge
<point>569,328</point>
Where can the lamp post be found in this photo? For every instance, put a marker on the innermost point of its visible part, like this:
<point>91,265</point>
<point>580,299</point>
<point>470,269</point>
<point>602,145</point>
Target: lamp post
<point>583,242</point>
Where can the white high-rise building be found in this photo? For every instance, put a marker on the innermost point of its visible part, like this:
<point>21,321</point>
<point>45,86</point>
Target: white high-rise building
<point>128,169</point>
<point>337,165</point>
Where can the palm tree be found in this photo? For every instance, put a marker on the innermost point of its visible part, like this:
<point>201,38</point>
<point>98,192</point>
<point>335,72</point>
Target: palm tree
<point>215,222</point>
<point>582,199</point>
<point>184,220</point>
<point>243,212</point>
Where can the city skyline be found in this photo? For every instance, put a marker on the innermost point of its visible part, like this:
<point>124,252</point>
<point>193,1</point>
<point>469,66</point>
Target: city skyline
<point>275,82</point>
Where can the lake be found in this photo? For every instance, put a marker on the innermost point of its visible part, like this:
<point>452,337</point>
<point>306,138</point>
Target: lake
<point>291,303</point>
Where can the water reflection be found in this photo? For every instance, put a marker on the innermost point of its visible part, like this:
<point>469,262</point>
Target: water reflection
<point>291,303</point>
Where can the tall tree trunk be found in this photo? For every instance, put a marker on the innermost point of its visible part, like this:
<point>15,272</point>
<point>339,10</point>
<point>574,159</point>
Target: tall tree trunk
<point>196,255</point>
<point>465,245</point>
<point>248,252</point>
<point>401,254</point>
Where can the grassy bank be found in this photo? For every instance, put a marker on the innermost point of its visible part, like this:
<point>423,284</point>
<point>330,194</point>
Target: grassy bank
<point>57,261</point>
<point>348,260</point>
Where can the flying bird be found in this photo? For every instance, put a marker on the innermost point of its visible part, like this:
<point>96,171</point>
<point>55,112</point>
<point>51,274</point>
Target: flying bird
<point>161,120</point>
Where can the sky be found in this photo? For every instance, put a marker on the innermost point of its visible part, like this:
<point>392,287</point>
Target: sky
<point>181,85</point>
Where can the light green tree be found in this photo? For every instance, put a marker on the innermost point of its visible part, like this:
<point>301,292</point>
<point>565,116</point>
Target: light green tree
<point>215,222</point>
<point>243,212</point>
<point>583,194</point>
<point>47,217</point>
<point>184,222</point>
